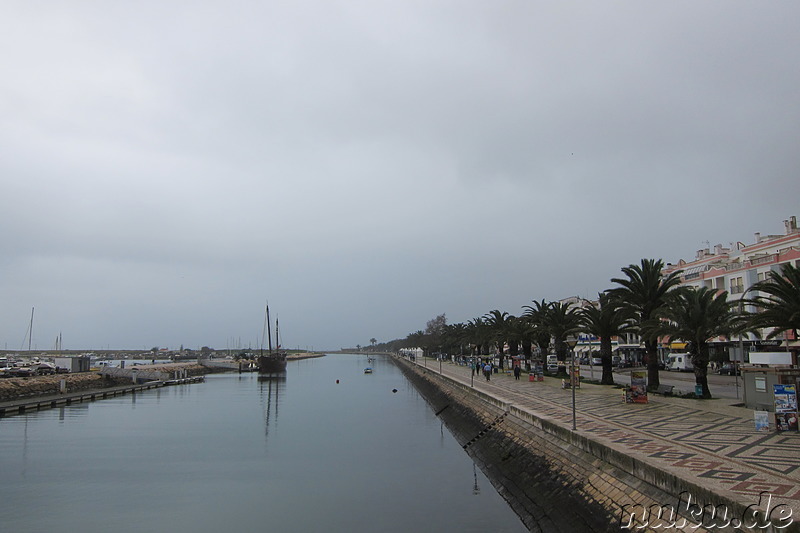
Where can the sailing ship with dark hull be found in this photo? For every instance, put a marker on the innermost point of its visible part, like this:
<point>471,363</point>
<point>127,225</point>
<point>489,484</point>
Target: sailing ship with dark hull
<point>272,362</point>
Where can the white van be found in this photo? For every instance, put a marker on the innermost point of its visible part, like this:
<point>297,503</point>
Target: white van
<point>552,359</point>
<point>681,362</point>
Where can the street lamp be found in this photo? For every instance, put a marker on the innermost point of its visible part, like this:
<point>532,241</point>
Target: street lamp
<point>571,342</point>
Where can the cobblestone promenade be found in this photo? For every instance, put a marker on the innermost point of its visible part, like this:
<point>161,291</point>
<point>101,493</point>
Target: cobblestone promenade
<point>710,442</point>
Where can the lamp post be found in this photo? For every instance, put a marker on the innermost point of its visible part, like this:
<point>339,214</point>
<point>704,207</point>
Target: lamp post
<point>473,370</point>
<point>571,342</point>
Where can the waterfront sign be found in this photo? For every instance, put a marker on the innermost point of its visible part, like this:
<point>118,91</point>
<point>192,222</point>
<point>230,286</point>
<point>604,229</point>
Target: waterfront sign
<point>637,392</point>
<point>785,407</point>
<point>762,420</point>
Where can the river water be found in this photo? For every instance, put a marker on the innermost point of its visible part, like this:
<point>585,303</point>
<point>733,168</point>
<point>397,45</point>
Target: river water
<point>242,454</point>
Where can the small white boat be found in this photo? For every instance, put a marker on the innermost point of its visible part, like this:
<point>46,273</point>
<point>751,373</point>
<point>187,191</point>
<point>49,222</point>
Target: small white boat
<point>368,370</point>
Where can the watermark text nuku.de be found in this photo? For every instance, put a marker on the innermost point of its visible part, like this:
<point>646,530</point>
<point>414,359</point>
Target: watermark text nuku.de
<point>690,513</point>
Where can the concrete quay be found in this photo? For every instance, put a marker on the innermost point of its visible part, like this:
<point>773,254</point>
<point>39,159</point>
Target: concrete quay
<point>665,450</point>
<point>50,401</point>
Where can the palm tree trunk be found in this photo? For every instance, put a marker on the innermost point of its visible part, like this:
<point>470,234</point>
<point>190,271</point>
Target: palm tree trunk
<point>605,356</point>
<point>651,350</point>
<point>527,349</point>
<point>700,364</point>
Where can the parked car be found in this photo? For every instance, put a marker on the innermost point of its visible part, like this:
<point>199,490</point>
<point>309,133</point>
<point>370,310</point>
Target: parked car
<point>729,369</point>
<point>552,368</point>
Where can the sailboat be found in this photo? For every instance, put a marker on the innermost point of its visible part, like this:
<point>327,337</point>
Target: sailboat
<point>271,362</point>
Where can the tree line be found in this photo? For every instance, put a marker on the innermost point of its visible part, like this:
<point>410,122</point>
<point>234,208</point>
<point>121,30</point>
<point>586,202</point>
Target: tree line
<point>642,301</point>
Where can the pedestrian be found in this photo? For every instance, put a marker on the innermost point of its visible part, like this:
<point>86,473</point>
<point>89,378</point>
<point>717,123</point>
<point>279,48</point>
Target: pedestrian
<point>487,370</point>
<point>517,371</point>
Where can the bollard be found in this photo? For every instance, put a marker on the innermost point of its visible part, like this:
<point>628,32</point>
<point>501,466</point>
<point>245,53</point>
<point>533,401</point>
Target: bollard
<point>62,386</point>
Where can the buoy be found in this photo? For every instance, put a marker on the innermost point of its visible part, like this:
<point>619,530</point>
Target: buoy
<point>337,381</point>
<point>394,390</point>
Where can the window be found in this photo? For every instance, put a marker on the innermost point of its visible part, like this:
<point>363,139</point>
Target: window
<point>737,285</point>
<point>761,383</point>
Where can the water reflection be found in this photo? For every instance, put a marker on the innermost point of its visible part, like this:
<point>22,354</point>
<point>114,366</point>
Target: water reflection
<point>270,389</point>
<point>476,490</point>
<point>373,459</point>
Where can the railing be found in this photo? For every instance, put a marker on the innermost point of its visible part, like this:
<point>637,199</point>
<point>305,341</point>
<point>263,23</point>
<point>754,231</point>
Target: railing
<point>761,260</point>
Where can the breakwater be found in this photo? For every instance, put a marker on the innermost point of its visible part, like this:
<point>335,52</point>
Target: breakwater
<point>35,386</point>
<point>16,388</point>
<point>559,480</point>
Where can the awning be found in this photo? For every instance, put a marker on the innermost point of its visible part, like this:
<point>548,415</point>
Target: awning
<point>677,345</point>
<point>695,269</point>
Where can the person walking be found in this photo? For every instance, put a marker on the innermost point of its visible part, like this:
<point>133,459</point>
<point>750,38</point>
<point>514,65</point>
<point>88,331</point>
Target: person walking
<point>517,371</point>
<point>487,370</point>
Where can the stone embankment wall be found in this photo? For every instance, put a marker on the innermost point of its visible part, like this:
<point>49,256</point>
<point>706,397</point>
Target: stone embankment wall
<point>551,483</point>
<point>15,388</point>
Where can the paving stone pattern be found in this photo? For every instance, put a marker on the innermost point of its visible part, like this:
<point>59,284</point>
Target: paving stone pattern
<point>712,443</point>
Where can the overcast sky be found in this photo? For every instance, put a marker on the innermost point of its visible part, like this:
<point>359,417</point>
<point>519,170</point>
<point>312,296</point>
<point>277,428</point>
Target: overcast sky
<point>168,167</point>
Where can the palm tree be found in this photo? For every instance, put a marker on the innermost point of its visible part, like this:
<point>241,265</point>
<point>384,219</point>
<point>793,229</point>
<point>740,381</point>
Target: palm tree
<point>517,332</point>
<point>779,307</point>
<point>479,335</point>
<point>499,322</point>
<point>643,293</point>
<point>536,317</point>
<point>453,338</point>
<point>607,319</point>
<point>696,316</point>
<point>562,321</point>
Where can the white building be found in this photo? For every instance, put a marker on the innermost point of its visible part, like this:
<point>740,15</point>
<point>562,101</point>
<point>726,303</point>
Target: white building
<point>740,266</point>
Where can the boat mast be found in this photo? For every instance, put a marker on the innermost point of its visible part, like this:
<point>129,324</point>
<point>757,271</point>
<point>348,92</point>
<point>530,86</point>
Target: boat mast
<point>30,334</point>
<point>264,330</point>
<point>269,335</point>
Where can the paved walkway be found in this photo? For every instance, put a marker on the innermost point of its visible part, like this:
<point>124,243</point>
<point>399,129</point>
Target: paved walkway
<point>712,443</point>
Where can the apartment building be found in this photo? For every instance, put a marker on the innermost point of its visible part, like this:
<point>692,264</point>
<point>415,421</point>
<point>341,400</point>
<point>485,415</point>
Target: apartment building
<point>738,267</point>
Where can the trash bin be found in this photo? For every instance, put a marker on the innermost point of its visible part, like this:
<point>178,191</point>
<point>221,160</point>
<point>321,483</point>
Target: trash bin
<point>698,390</point>
<point>496,370</point>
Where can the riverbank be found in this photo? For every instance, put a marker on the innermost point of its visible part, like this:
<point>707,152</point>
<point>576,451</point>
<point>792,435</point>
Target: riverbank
<point>622,462</point>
